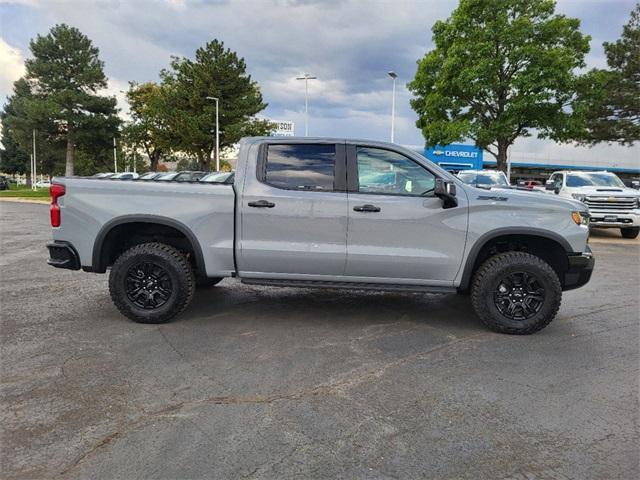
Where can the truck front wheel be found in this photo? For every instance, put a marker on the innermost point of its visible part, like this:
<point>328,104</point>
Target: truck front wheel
<point>516,293</point>
<point>630,232</point>
<point>151,283</point>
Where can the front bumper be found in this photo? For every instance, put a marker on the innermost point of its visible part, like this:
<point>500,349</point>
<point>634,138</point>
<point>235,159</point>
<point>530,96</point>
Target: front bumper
<point>580,269</point>
<point>605,219</point>
<point>63,255</point>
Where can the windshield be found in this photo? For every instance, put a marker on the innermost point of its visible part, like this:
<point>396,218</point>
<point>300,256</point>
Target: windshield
<point>167,176</point>
<point>584,179</point>
<point>148,175</point>
<point>487,179</point>
<point>216,177</point>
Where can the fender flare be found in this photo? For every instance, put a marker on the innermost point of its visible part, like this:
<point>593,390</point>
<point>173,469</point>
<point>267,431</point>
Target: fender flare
<point>98,244</point>
<point>465,281</point>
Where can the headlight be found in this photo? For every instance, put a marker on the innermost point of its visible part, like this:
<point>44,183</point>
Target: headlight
<point>578,196</point>
<point>580,218</point>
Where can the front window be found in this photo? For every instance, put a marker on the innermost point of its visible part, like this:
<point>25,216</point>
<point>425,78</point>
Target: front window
<point>301,167</point>
<point>390,173</point>
<point>587,179</point>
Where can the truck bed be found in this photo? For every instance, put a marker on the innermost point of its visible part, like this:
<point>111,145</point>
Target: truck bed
<point>92,207</point>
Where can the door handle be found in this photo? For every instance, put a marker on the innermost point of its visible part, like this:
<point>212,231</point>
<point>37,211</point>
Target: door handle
<point>262,204</point>
<point>366,208</point>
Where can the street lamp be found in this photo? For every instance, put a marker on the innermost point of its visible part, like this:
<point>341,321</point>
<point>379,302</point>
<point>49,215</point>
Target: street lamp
<point>306,77</point>
<point>393,75</point>
<point>217,134</point>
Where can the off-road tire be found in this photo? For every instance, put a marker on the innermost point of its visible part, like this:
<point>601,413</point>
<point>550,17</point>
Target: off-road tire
<point>489,276</point>
<point>176,266</point>
<point>630,232</point>
<point>206,282</point>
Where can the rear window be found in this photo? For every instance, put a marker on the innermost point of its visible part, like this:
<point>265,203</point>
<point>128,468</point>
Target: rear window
<point>301,167</point>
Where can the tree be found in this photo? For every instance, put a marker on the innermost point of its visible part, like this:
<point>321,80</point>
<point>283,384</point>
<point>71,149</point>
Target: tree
<point>16,130</point>
<point>610,99</point>
<point>501,69</point>
<point>64,77</point>
<point>190,116</point>
<point>148,126</point>
<point>12,159</point>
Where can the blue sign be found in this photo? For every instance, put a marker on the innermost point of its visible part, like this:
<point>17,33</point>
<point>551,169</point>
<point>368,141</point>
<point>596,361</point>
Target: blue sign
<point>455,156</point>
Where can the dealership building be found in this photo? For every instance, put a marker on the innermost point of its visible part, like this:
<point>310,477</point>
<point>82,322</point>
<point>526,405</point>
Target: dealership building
<point>456,157</point>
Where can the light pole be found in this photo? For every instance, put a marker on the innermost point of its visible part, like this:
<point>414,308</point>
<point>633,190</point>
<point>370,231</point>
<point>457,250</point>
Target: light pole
<point>115,156</point>
<point>306,77</point>
<point>217,134</point>
<point>34,163</point>
<point>393,75</point>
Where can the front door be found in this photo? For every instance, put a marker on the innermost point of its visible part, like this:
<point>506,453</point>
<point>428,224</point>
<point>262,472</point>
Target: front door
<point>397,228</point>
<point>294,213</point>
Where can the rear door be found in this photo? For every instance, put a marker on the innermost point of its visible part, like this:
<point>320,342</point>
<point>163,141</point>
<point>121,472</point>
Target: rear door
<point>293,212</point>
<point>397,227</point>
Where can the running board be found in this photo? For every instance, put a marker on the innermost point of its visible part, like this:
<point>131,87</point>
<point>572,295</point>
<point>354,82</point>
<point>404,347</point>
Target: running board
<point>390,287</point>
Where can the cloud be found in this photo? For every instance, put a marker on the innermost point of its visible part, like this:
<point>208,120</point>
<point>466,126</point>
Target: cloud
<point>11,67</point>
<point>348,44</point>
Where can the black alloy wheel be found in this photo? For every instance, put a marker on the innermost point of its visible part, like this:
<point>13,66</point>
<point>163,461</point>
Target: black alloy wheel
<point>148,285</point>
<point>519,296</point>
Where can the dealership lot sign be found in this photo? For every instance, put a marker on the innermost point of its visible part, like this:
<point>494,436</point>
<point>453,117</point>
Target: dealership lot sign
<point>455,156</point>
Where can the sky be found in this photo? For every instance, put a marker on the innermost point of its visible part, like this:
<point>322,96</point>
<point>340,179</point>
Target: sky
<point>350,45</point>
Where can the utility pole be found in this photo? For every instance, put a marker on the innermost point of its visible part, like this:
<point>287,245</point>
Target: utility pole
<point>393,75</point>
<point>217,100</point>
<point>306,77</point>
<point>115,157</point>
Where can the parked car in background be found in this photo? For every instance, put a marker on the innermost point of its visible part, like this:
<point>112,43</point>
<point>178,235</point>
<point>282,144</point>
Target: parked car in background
<point>183,176</point>
<point>324,212</point>
<point>531,184</point>
<point>611,203</point>
<point>166,177</point>
<point>218,177</point>
<point>188,176</point>
<point>4,183</point>
<point>484,178</point>
<point>125,176</point>
<point>150,176</point>
<point>43,184</point>
<point>104,175</point>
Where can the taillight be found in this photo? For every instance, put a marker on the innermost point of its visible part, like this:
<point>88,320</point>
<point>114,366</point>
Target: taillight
<point>56,190</point>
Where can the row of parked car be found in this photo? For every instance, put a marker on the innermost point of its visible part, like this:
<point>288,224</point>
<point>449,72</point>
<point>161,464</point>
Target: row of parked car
<point>183,176</point>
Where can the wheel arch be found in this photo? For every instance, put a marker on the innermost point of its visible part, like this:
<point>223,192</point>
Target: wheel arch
<point>108,233</point>
<point>546,244</point>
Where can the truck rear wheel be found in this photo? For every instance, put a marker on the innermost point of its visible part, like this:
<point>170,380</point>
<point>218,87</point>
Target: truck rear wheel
<point>516,293</point>
<point>630,232</point>
<point>151,283</point>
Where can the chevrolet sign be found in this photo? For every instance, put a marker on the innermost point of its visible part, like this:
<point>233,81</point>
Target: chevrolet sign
<point>455,156</point>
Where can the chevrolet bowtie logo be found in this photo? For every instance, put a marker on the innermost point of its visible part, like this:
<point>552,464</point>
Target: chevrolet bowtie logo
<point>438,152</point>
<point>611,199</point>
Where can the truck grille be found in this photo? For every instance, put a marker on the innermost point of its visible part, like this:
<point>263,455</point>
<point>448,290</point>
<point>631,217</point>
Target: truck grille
<point>610,203</point>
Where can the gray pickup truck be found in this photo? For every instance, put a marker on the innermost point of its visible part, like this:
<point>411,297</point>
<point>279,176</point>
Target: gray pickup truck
<point>325,212</point>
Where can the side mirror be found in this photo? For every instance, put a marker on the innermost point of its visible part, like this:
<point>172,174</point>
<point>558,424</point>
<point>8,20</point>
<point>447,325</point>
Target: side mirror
<point>549,185</point>
<point>446,191</point>
<point>635,184</point>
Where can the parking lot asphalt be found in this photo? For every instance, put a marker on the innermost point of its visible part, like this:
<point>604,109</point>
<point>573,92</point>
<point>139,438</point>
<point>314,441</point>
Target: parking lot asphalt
<point>255,382</point>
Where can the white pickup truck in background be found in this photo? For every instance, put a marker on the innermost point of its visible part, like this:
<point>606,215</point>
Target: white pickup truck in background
<point>611,203</point>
